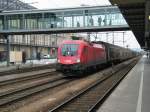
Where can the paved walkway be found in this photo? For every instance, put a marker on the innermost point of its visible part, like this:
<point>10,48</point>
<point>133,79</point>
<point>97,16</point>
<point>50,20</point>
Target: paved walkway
<point>133,93</point>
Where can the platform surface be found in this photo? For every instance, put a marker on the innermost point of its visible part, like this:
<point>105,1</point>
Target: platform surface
<point>133,93</point>
<point>29,63</point>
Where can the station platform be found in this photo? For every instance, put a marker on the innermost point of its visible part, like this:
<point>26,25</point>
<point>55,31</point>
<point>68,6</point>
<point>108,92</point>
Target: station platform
<point>29,63</point>
<point>133,93</point>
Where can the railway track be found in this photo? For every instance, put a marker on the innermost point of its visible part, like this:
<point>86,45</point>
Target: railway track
<point>88,99</point>
<point>28,89</point>
<point>20,85</point>
<point>14,78</point>
<point>16,97</point>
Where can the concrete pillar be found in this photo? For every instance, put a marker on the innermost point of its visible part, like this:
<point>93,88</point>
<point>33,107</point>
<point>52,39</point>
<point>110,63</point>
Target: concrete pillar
<point>147,23</point>
<point>63,20</point>
<point>5,23</point>
<point>84,18</point>
<point>43,22</point>
<point>73,21</point>
<point>22,22</point>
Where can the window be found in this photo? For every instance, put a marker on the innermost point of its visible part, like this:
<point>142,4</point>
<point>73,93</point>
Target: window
<point>69,49</point>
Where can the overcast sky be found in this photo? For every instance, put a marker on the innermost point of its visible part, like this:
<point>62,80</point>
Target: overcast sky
<point>65,3</point>
<point>51,4</point>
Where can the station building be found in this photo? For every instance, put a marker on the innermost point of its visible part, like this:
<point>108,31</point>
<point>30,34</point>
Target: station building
<point>30,44</point>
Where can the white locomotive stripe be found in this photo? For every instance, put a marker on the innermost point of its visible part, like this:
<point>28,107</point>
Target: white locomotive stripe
<point>139,104</point>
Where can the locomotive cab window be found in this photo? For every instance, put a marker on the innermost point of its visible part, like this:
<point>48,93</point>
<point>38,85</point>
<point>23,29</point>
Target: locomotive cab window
<point>69,49</point>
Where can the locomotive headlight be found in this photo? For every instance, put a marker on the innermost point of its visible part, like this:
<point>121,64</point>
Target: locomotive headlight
<point>78,60</point>
<point>58,60</point>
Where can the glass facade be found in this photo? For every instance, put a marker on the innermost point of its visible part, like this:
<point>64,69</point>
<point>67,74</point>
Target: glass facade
<point>1,22</point>
<point>13,22</point>
<point>32,21</point>
<point>65,18</point>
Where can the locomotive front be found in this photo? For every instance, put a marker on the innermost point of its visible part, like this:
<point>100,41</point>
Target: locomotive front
<point>69,56</point>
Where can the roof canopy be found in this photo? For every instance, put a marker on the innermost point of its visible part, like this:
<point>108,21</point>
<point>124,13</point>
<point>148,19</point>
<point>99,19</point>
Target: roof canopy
<point>134,13</point>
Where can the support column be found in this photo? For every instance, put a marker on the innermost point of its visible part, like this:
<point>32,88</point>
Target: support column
<point>107,37</point>
<point>43,22</point>
<point>63,20</point>
<point>73,21</point>
<point>113,39</point>
<point>8,49</point>
<point>123,39</point>
<point>22,22</point>
<point>5,23</point>
<point>84,19</point>
<point>147,24</point>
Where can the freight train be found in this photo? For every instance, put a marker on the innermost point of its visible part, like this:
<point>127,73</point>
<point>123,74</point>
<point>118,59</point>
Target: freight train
<point>80,55</point>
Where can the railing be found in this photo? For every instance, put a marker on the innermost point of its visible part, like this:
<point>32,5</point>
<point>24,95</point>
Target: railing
<point>83,17</point>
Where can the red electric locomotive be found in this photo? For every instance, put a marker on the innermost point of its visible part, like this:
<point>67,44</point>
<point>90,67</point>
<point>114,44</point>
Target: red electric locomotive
<point>78,55</point>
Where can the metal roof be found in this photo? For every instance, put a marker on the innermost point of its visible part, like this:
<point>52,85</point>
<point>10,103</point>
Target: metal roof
<point>32,11</point>
<point>14,5</point>
<point>126,1</point>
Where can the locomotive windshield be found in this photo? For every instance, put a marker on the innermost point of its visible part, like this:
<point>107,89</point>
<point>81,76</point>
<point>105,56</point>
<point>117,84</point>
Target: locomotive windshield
<point>69,49</point>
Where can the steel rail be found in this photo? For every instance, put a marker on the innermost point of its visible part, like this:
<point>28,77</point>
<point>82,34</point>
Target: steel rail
<point>6,82</point>
<point>79,94</point>
<point>6,99</point>
<point>109,91</point>
<point>38,81</point>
